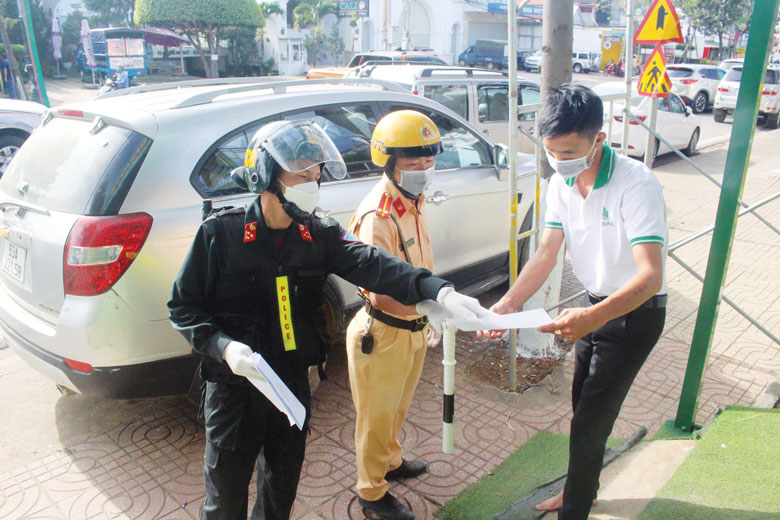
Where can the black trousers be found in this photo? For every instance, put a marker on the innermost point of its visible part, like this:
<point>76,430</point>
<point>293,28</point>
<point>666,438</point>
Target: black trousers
<point>608,359</point>
<point>243,427</point>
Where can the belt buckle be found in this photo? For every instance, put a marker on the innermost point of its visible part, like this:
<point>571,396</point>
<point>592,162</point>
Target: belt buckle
<point>420,323</point>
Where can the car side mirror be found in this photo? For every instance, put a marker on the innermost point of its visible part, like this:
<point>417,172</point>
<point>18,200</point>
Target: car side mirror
<point>501,156</point>
<point>688,111</point>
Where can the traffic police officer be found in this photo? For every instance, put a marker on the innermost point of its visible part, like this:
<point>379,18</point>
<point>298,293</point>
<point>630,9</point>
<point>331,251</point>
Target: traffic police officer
<point>252,282</point>
<point>383,379</point>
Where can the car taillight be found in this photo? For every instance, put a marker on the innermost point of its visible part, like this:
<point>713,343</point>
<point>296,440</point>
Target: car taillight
<point>769,92</point>
<point>632,122</point>
<point>100,249</point>
<point>723,89</point>
<point>688,81</point>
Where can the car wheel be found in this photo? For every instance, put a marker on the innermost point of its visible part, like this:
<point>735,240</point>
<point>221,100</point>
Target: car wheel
<point>691,148</point>
<point>9,145</point>
<point>461,63</point>
<point>654,156</point>
<point>772,120</point>
<point>577,68</point>
<point>699,103</point>
<point>719,114</point>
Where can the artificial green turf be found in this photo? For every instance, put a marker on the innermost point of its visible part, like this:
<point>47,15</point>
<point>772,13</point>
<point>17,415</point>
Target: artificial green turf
<point>543,458</point>
<point>733,473</point>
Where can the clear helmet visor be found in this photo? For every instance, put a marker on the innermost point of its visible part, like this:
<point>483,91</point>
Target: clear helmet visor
<point>299,145</point>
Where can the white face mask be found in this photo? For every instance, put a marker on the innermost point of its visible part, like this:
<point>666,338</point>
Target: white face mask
<point>416,181</point>
<point>572,167</point>
<point>305,195</point>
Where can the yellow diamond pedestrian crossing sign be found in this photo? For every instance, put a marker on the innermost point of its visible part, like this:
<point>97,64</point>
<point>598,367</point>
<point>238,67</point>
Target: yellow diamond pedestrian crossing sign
<point>660,25</point>
<point>654,81</point>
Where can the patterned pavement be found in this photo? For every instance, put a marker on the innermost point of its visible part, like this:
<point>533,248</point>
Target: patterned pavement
<point>150,468</point>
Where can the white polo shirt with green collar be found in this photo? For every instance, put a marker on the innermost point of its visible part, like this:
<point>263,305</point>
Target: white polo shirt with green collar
<point>625,207</point>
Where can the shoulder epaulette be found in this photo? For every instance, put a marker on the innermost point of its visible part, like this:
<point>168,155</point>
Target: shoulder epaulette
<point>385,206</point>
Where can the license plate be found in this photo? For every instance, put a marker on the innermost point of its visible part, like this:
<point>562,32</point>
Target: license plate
<point>14,260</point>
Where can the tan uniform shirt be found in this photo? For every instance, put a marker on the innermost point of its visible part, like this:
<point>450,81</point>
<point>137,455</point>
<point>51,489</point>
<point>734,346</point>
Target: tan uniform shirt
<point>372,223</point>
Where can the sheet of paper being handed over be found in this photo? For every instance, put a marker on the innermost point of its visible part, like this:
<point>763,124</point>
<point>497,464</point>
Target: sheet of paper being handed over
<point>518,320</point>
<point>277,392</point>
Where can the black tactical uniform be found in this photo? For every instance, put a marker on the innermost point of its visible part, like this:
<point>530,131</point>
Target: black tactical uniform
<point>227,290</point>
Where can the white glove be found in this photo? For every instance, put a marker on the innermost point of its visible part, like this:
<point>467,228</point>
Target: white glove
<point>435,312</point>
<point>238,357</point>
<point>459,306</point>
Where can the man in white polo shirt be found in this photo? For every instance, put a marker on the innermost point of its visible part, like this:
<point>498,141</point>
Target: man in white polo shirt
<point>610,211</point>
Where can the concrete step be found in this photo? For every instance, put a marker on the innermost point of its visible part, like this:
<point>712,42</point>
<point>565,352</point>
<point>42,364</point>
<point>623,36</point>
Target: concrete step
<point>629,483</point>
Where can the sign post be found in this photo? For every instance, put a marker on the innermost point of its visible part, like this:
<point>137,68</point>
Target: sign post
<point>660,25</point>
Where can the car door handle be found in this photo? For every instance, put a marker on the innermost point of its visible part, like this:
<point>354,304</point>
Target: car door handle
<point>437,198</point>
<point>486,131</point>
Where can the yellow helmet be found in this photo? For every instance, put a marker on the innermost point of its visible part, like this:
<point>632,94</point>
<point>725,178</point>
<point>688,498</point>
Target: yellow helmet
<point>404,133</point>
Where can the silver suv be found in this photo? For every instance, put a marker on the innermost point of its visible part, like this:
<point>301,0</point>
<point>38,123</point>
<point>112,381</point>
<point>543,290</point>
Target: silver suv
<point>728,91</point>
<point>479,96</point>
<point>102,202</point>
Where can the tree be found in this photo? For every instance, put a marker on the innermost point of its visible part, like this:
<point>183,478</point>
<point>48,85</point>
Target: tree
<point>334,44</point>
<point>314,43</point>
<point>268,9</point>
<point>111,12</point>
<point>309,12</point>
<point>200,20</point>
<point>721,17</point>
<point>5,24</point>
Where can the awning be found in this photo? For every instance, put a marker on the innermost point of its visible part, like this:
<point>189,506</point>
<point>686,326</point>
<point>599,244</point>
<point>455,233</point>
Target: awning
<point>164,37</point>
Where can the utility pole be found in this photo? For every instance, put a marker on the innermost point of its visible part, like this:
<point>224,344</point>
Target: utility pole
<point>384,27</point>
<point>406,44</point>
<point>557,34</point>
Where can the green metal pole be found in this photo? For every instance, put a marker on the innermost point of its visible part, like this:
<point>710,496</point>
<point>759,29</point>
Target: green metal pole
<point>27,14</point>
<point>758,49</point>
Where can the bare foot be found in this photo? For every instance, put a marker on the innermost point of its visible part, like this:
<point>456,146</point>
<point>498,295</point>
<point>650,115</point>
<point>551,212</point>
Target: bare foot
<point>554,503</point>
<point>551,504</point>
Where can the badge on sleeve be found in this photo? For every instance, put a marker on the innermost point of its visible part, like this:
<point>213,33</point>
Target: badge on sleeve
<point>385,205</point>
<point>250,232</point>
<point>304,231</point>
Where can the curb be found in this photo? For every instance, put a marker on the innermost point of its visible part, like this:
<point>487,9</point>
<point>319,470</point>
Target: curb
<point>713,142</point>
<point>770,397</point>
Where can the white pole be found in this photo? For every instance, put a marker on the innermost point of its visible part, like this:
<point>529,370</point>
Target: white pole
<point>448,361</point>
<point>629,68</point>
<point>650,141</point>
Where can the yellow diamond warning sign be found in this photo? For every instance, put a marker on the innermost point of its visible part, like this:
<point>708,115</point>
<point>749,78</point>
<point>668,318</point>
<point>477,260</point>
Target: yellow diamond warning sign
<point>654,81</point>
<point>660,25</point>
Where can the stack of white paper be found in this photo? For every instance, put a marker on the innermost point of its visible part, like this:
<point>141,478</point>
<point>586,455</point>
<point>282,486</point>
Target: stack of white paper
<point>518,320</point>
<point>277,392</point>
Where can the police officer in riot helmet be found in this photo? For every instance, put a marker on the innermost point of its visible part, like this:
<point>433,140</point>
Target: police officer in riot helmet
<point>253,282</point>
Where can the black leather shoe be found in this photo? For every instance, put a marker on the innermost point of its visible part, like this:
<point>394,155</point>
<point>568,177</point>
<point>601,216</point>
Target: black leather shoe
<point>407,469</point>
<point>387,508</point>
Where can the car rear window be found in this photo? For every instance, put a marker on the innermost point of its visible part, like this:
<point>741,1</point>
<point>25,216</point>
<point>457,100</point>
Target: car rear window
<point>679,72</point>
<point>66,166</point>
<point>735,74</point>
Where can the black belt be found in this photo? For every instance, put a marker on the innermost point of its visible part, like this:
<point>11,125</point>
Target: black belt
<point>413,325</point>
<point>656,302</point>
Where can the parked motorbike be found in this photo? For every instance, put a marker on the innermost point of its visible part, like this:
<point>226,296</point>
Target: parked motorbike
<point>108,86</point>
<point>615,69</point>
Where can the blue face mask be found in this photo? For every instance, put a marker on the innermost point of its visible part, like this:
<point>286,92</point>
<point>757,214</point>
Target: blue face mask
<point>572,167</point>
